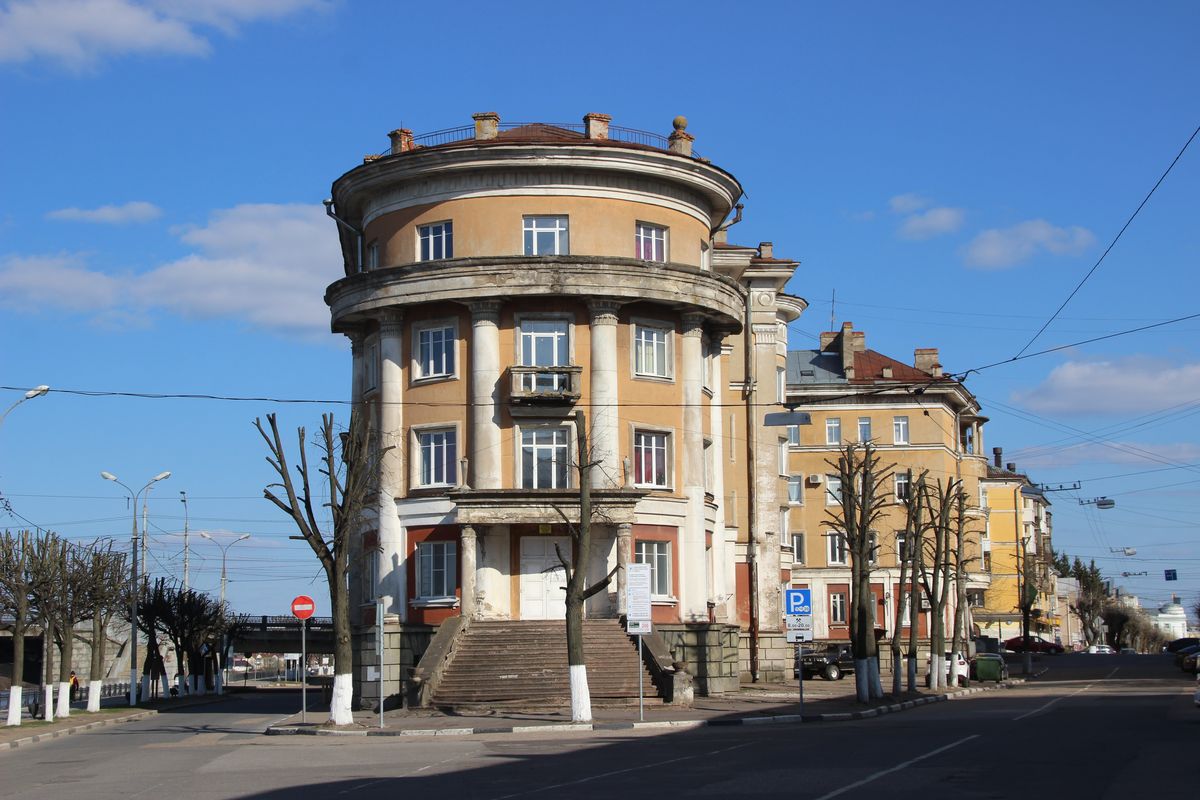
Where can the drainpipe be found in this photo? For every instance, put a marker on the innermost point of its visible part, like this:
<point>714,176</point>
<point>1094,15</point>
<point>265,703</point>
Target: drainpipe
<point>357,233</point>
<point>724,226</point>
<point>751,393</point>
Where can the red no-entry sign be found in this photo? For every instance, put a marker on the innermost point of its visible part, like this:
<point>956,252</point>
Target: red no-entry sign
<point>303,607</point>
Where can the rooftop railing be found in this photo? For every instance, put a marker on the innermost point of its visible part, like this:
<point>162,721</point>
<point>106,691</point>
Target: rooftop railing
<point>615,133</point>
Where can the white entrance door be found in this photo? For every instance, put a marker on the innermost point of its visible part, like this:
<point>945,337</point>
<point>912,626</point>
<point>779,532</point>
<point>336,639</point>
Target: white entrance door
<point>543,580</point>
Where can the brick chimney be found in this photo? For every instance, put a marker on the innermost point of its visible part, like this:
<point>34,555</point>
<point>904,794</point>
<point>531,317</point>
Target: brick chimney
<point>926,360</point>
<point>847,346</point>
<point>998,456</point>
<point>596,125</point>
<point>402,140</point>
<point>766,250</point>
<point>827,340</point>
<point>680,140</point>
<point>1011,466</point>
<point>487,125</point>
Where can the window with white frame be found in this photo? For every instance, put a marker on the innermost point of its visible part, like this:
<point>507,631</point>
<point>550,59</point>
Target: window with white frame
<point>650,242</point>
<point>546,236</point>
<point>705,256</point>
<point>785,525</point>
<point>793,434</point>
<point>709,355</point>
<point>545,343</point>
<point>371,367</point>
<point>780,385</point>
<point>367,584</point>
<point>872,548</point>
<point>796,490</point>
<point>837,547</point>
<point>833,490</point>
<point>438,457</point>
<point>437,570</point>
<point>373,255</point>
<point>837,608</point>
<point>651,459</point>
<point>983,497</point>
<point>833,430</point>
<point>434,345</point>
<point>901,546</point>
<point>658,556</point>
<point>797,548</point>
<point>902,485</point>
<point>900,430</point>
<point>783,456</point>
<point>435,241</point>
<point>652,350</point>
<point>545,458</point>
<point>864,429</point>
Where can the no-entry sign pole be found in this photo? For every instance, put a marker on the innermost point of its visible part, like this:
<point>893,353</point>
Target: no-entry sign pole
<point>302,608</point>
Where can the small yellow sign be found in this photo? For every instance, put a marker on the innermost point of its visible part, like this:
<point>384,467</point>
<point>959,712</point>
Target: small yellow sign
<point>543,528</point>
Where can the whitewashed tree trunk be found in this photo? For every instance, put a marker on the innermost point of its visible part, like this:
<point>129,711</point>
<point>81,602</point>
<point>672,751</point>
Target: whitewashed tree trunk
<point>166,688</point>
<point>874,684</point>
<point>937,671</point>
<point>954,673</point>
<point>94,689</point>
<point>220,682</point>
<point>64,699</point>
<point>339,702</point>
<point>197,686</point>
<point>581,698</point>
<point>911,671</point>
<point>14,704</point>
<point>48,703</point>
<point>862,689</point>
<point>181,685</point>
<point>145,687</point>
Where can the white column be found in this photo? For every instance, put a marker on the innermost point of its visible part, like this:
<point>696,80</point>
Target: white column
<point>766,478</point>
<point>485,376</point>
<point>722,556</point>
<point>469,560</point>
<point>604,435</point>
<point>624,547</point>
<point>390,573</point>
<point>692,572</point>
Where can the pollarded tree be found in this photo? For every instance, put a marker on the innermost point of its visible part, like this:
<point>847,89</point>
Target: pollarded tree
<point>16,587</point>
<point>855,520</point>
<point>936,569</point>
<point>347,476</point>
<point>909,602</point>
<point>106,594</point>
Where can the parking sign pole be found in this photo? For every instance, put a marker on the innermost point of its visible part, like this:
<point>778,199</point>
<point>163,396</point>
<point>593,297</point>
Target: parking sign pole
<point>641,692</point>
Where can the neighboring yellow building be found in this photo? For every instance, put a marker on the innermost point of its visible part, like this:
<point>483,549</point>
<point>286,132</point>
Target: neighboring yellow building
<point>918,419</point>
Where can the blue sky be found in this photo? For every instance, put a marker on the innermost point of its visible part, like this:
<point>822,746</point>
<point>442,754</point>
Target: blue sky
<point>951,172</point>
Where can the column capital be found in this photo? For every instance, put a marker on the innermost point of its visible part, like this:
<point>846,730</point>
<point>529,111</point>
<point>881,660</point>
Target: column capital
<point>468,532</point>
<point>693,325</point>
<point>391,323</point>
<point>624,530</point>
<point>485,311</point>
<point>357,336</point>
<point>604,312</point>
<point>765,334</point>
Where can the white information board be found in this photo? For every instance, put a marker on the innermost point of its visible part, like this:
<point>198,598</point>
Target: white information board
<point>637,592</point>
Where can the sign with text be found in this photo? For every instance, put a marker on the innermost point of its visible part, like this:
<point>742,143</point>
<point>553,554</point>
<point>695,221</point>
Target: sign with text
<point>1170,575</point>
<point>637,592</point>
<point>799,629</point>
<point>638,626</point>
<point>797,602</point>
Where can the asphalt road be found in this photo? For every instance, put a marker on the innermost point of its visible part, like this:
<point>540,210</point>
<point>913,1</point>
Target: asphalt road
<point>1095,727</point>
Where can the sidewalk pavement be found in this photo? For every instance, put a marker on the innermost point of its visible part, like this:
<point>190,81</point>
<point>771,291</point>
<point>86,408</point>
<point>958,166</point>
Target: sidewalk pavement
<point>754,704</point>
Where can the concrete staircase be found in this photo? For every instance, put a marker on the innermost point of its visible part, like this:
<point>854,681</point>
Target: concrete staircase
<point>523,664</point>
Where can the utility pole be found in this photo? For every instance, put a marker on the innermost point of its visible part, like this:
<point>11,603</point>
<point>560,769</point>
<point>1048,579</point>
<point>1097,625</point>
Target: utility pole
<point>183,499</point>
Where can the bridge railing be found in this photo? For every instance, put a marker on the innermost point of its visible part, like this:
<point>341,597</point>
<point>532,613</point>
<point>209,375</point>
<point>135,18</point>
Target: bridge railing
<point>289,624</point>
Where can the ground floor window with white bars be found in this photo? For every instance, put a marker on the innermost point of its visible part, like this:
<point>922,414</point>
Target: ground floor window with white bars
<point>545,455</point>
<point>437,570</point>
<point>658,556</point>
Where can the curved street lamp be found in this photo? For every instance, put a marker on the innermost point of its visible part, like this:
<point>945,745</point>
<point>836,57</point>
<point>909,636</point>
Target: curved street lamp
<point>224,552</point>
<point>37,391</point>
<point>133,595</point>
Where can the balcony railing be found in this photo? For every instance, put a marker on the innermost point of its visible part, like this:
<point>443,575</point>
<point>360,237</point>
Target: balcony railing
<point>545,384</point>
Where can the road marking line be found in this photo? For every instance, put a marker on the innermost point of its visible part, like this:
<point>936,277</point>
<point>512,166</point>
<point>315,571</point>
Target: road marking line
<point>896,768</point>
<point>1052,702</point>
<point>1114,672</point>
<point>623,771</point>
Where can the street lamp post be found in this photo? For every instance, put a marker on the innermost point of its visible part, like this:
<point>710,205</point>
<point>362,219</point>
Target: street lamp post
<point>133,595</point>
<point>183,499</point>
<point>32,393</point>
<point>224,553</point>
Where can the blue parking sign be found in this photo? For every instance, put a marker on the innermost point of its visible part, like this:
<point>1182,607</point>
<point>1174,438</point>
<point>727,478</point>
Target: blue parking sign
<point>797,602</point>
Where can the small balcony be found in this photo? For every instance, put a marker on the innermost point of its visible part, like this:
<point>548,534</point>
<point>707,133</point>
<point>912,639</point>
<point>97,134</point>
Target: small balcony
<point>544,385</point>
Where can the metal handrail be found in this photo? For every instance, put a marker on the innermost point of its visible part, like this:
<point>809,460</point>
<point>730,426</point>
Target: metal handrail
<point>616,133</point>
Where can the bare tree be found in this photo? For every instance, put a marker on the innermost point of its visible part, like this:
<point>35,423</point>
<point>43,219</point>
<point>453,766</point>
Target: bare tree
<point>908,557</point>
<point>855,520</point>
<point>935,572</point>
<point>1090,602</point>
<point>348,467</point>
<point>960,559</point>
<point>106,595</point>
<point>15,590</point>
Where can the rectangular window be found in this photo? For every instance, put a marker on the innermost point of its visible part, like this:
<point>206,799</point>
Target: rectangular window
<point>901,546</point>
<point>436,241</point>
<point>902,486</point>
<point>833,490</point>
<point>783,456</point>
<point>373,255</point>
<point>833,431</point>
<point>545,343</point>
<point>900,430</point>
<point>650,459</point>
<point>371,367</point>
<point>652,351</point>
<point>796,490</point>
<point>439,457</point>
<point>793,434</point>
<point>837,547</point>
<point>435,351</point>
<point>437,570</point>
<point>797,548</point>
<point>872,548</point>
<point>983,497</point>
<point>785,525</point>
<point>544,458</point>
<point>546,236</point>
<point>837,608</point>
<point>864,429</point>
<point>650,242</point>
<point>780,385</point>
<point>658,556</point>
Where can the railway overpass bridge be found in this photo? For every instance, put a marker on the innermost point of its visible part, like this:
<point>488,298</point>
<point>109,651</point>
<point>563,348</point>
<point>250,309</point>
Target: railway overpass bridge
<point>267,634</point>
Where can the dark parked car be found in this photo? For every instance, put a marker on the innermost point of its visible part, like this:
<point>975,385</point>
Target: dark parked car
<point>1178,644</point>
<point>1184,652</point>
<point>831,663</point>
<point>1036,645</point>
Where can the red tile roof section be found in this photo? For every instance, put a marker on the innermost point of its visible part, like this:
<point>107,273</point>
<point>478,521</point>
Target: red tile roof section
<point>869,364</point>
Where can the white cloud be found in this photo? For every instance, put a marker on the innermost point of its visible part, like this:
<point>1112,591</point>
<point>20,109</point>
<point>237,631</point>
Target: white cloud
<point>998,248</point>
<point>907,203</point>
<point>136,211</point>
<point>267,265</point>
<point>931,223</point>
<point>79,33</point>
<point>1134,453</point>
<point>1133,384</point>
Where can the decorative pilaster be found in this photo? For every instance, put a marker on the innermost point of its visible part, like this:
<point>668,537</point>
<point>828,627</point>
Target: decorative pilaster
<point>469,559</point>
<point>485,379</point>
<point>604,432</point>
<point>392,582</point>
<point>624,550</point>
<point>692,573</point>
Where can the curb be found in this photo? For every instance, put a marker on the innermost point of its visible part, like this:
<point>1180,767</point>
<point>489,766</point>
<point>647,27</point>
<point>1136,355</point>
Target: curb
<point>778,719</point>
<point>102,723</point>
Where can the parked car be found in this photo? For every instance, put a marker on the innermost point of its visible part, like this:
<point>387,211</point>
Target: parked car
<point>1036,645</point>
<point>831,663</point>
<point>1128,651</point>
<point>963,668</point>
<point>990,665</point>
<point>1101,649</point>
<point>1189,662</point>
<point>1183,653</point>
<point>1178,644</point>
